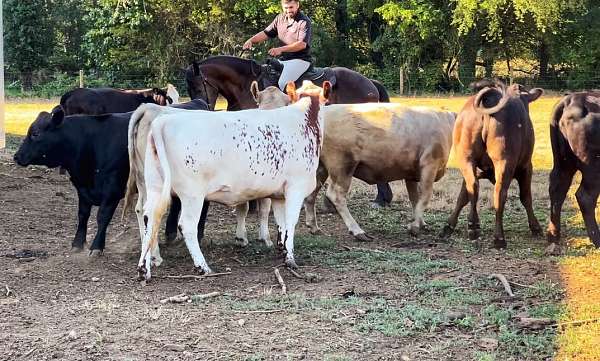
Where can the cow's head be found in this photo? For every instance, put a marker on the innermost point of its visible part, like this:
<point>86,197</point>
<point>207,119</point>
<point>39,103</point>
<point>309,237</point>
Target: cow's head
<point>161,97</point>
<point>172,94</point>
<point>44,140</point>
<point>270,98</point>
<point>309,89</point>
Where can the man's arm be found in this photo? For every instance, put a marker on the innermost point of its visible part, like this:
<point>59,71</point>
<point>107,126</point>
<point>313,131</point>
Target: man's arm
<point>257,38</point>
<point>297,46</point>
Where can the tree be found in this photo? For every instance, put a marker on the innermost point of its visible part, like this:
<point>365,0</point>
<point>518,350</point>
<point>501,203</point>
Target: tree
<point>28,37</point>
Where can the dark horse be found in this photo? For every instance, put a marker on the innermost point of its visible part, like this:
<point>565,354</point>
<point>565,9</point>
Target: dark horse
<point>231,77</point>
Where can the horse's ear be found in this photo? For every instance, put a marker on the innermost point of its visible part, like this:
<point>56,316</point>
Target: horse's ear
<point>290,89</point>
<point>196,68</point>
<point>254,90</point>
<point>326,93</point>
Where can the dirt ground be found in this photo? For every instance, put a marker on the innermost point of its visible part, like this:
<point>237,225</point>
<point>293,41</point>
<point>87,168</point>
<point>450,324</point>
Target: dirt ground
<point>396,298</point>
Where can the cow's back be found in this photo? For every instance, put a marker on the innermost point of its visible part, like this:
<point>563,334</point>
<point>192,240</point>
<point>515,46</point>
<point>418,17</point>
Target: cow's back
<point>96,101</point>
<point>391,137</point>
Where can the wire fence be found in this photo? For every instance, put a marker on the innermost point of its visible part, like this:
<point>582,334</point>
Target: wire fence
<point>53,84</point>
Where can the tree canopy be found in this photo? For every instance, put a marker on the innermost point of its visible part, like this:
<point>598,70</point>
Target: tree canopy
<point>433,45</point>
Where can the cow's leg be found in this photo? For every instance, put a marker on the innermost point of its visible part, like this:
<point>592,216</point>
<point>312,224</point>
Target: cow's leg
<point>461,202</point>
<point>336,192</point>
<point>560,181</point>
<point>384,195</point>
<point>191,211</point>
<point>425,191</point>
<point>413,195</point>
<point>293,205</point>
<point>264,208</point>
<point>279,214</point>
<point>524,179</point>
<point>103,218</point>
<point>587,196</point>
<point>472,187</point>
<point>172,220</point>
<point>310,201</point>
<point>202,224</point>
<point>503,175</point>
<point>241,236</point>
<point>83,215</point>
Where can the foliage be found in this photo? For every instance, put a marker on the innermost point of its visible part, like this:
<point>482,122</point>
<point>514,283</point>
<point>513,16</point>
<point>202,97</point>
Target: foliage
<point>437,45</point>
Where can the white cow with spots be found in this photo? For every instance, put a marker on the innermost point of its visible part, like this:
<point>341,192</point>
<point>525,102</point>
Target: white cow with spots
<point>231,158</point>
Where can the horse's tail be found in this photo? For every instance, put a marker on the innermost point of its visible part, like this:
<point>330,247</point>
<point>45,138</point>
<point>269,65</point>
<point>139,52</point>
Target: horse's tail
<point>384,97</point>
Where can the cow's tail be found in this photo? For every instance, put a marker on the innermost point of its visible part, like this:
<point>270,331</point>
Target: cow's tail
<point>132,132</point>
<point>384,97</point>
<point>557,141</point>
<point>157,144</point>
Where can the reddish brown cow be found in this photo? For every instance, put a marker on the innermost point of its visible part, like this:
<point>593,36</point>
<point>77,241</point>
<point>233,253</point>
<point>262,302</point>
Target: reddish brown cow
<point>493,139</point>
<point>575,138</point>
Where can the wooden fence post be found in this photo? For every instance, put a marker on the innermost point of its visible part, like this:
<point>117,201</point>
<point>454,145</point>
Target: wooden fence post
<point>402,80</point>
<point>81,78</point>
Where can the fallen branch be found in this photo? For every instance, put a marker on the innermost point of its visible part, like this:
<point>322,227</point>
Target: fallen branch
<point>535,323</point>
<point>504,282</point>
<point>198,277</point>
<point>180,298</point>
<point>347,248</point>
<point>259,311</point>
<point>8,291</point>
<point>280,280</point>
<point>521,285</point>
<point>295,274</point>
<point>196,298</point>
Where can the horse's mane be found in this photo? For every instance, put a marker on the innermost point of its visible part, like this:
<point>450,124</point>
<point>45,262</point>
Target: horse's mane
<point>240,65</point>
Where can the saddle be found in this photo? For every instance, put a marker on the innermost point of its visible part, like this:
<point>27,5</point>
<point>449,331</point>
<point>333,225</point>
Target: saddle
<point>272,68</point>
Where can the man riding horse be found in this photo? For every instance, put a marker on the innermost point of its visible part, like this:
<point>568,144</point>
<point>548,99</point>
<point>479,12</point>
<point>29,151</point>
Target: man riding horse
<point>293,29</point>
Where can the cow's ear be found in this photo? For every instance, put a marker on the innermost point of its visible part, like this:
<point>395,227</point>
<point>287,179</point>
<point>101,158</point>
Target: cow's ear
<point>326,90</point>
<point>290,89</point>
<point>58,115</point>
<point>254,90</point>
<point>535,93</point>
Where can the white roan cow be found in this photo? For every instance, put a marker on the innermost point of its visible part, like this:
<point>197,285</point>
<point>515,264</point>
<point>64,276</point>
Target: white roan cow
<point>231,158</point>
<point>269,98</point>
<point>381,142</point>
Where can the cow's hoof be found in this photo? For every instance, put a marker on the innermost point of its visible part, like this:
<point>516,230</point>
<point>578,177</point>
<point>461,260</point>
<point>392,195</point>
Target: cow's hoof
<point>446,231</point>
<point>96,253</point>
<point>142,274</point>
<point>291,263</point>
<point>499,243</point>
<point>537,231</point>
<point>363,237</point>
<point>201,271</point>
<point>474,234</point>
<point>553,249</point>
<point>76,249</point>
<point>267,242</point>
<point>241,242</point>
<point>315,230</point>
<point>552,237</point>
<point>414,230</point>
<point>157,261</point>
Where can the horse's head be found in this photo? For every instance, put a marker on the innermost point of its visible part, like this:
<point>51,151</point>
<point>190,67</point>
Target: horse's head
<point>199,86</point>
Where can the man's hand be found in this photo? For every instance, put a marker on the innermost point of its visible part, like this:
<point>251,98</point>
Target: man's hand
<point>275,51</point>
<point>247,45</point>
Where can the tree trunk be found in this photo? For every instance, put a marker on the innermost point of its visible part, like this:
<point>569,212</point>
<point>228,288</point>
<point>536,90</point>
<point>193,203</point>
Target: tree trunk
<point>544,59</point>
<point>341,35</point>
<point>467,58</point>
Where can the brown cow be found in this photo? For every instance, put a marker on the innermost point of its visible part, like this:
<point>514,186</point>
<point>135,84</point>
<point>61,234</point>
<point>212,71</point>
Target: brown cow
<point>575,138</point>
<point>493,139</point>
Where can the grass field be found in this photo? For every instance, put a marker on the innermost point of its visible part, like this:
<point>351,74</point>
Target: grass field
<point>580,269</point>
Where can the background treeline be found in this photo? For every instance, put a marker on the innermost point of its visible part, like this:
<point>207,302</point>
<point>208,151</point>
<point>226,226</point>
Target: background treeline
<point>432,45</point>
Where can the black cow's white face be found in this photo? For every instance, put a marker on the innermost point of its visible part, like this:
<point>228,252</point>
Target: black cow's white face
<point>43,141</point>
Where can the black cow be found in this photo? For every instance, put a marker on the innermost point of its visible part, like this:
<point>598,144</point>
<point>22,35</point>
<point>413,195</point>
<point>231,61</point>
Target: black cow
<point>93,149</point>
<point>575,138</point>
<point>96,101</point>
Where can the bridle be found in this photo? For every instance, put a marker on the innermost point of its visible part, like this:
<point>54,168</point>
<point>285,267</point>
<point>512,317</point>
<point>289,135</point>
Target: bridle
<point>204,83</point>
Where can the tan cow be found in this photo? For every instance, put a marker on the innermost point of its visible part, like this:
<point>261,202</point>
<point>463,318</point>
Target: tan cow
<point>382,142</point>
